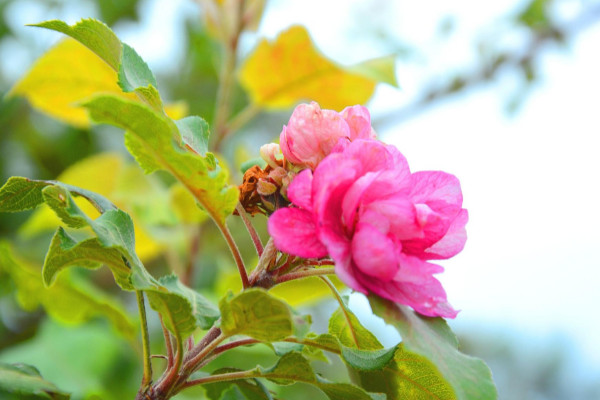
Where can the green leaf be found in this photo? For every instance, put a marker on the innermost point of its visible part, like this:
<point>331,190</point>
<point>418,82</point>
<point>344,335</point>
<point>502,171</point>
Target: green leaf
<point>25,380</point>
<point>176,311</point>
<point>432,338</point>
<point>61,202</point>
<point>257,314</point>
<point>408,376</point>
<point>20,194</point>
<point>153,147</point>
<point>366,360</point>
<point>205,312</point>
<point>67,300</point>
<point>133,71</point>
<point>248,389</point>
<point>194,133</point>
<point>66,252</point>
<point>344,325</point>
<point>92,33</point>
<point>293,367</point>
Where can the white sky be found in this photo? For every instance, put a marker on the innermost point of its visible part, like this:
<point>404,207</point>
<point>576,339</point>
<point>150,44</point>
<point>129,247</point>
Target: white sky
<point>531,183</point>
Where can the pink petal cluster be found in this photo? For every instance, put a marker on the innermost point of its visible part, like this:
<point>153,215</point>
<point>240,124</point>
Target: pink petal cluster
<point>378,221</point>
<point>312,133</point>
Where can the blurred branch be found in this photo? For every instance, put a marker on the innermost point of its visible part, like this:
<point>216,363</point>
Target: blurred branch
<point>542,36</point>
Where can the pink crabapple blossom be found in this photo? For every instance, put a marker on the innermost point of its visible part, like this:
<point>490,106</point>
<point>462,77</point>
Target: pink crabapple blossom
<point>379,222</point>
<point>311,133</point>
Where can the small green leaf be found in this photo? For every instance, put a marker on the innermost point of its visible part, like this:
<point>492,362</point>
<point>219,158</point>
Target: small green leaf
<point>194,133</point>
<point>344,325</point>
<point>61,202</point>
<point>206,313</point>
<point>257,314</point>
<point>432,338</point>
<point>92,33</point>
<point>133,71</point>
<point>367,360</point>
<point>176,311</point>
<point>25,380</point>
<point>20,194</point>
<point>249,389</point>
<point>66,252</point>
<point>293,367</point>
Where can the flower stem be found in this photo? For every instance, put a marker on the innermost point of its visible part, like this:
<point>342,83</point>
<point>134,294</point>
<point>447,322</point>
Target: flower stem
<point>304,274</point>
<point>168,344</point>
<point>235,251</point>
<point>193,363</point>
<point>147,377</point>
<point>253,234</point>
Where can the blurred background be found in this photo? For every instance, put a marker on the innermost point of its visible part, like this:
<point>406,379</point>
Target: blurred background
<point>502,94</point>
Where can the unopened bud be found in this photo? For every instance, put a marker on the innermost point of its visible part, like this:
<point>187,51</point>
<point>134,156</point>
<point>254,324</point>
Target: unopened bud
<point>271,153</point>
<point>265,188</point>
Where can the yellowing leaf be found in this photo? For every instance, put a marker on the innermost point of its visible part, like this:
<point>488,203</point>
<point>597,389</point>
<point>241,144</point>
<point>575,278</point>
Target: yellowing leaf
<point>290,69</point>
<point>101,174</point>
<point>65,75</point>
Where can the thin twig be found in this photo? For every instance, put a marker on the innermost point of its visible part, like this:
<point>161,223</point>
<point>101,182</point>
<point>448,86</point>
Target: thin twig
<point>253,234</point>
<point>235,251</point>
<point>304,274</point>
<point>168,344</point>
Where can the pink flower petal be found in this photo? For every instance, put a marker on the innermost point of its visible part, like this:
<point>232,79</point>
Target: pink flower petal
<point>453,242</point>
<point>300,190</point>
<point>427,298</point>
<point>359,121</point>
<point>353,197</point>
<point>311,133</point>
<point>373,253</point>
<point>401,214</point>
<point>294,232</point>
<point>439,190</point>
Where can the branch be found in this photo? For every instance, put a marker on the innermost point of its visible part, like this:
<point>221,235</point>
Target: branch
<point>147,377</point>
<point>305,274</point>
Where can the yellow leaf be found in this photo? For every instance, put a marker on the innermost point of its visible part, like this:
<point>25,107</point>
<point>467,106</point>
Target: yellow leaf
<point>68,73</point>
<point>100,174</point>
<point>279,74</point>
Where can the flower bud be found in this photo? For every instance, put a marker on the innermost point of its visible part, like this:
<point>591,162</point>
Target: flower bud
<point>271,153</point>
<point>310,135</point>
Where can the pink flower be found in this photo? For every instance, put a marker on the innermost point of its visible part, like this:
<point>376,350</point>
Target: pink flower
<point>311,133</point>
<point>378,221</point>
